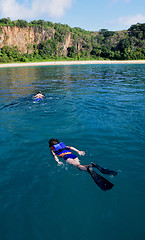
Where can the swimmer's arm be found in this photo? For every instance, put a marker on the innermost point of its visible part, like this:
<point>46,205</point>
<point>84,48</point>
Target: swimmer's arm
<point>56,158</point>
<point>76,150</point>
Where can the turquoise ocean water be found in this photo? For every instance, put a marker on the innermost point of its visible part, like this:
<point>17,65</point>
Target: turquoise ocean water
<point>96,108</point>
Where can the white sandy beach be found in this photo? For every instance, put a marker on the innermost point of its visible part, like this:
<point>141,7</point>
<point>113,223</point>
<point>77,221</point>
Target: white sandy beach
<point>5,65</point>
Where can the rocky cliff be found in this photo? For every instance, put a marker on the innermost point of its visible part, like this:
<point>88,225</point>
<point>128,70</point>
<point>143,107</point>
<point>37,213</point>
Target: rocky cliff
<point>25,38</point>
<point>45,40</point>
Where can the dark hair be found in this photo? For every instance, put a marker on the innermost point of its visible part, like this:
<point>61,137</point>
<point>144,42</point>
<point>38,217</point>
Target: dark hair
<point>39,92</point>
<point>53,141</point>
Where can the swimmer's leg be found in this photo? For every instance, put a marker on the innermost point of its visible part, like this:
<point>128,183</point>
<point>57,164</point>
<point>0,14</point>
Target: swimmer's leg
<point>76,162</point>
<point>81,167</point>
<point>102,182</point>
<point>84,167</point>
<point>104,170</point>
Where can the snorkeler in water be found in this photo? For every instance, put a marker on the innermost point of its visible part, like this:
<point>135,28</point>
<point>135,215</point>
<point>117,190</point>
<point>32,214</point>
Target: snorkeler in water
<point>59,149</point>
<point>39,96</point>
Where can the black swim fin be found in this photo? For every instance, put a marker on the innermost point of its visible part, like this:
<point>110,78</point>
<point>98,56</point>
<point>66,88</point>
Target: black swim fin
<point>104,170</point>
<point>102,182</point>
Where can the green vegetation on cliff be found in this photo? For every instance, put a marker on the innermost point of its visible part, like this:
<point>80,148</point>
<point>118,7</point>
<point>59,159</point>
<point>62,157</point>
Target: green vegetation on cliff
<point>104,44</point>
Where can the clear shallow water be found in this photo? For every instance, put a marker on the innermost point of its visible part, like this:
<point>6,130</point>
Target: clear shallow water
<point>96,108</point>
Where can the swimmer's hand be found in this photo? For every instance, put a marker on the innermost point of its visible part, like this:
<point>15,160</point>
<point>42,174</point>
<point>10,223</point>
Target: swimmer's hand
<point>81,153</point>
<point>59,163</point>
<point>76,150</point>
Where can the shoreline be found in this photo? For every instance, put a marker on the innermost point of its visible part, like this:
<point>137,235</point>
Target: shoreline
<point>59,63</point>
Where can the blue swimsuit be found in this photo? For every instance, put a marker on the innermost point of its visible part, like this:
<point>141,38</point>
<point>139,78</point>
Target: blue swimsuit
<point>38,99</point>
<point>69,155</point>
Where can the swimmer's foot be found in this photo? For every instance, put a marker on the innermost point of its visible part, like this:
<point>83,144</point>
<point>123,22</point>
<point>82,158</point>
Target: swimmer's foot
<point>104,170</point>
<point>102,182</point>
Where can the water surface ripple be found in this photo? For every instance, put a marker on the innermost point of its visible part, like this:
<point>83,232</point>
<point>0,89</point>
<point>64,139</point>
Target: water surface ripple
<point>96,108</point>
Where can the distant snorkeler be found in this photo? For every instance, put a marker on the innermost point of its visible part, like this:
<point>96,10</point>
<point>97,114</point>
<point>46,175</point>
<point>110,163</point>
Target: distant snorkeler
<point>63,151</point>
<point>39,96</point>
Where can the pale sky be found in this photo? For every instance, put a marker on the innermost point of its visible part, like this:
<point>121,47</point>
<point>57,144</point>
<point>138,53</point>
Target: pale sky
<point>91,15</point>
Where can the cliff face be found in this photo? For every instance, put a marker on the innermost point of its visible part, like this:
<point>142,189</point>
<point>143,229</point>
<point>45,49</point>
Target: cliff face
<point>25,38</point>
<point>46,40</point>
<point>14,36</point>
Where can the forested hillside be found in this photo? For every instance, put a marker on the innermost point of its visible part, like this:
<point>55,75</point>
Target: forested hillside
<point>40,41</point>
